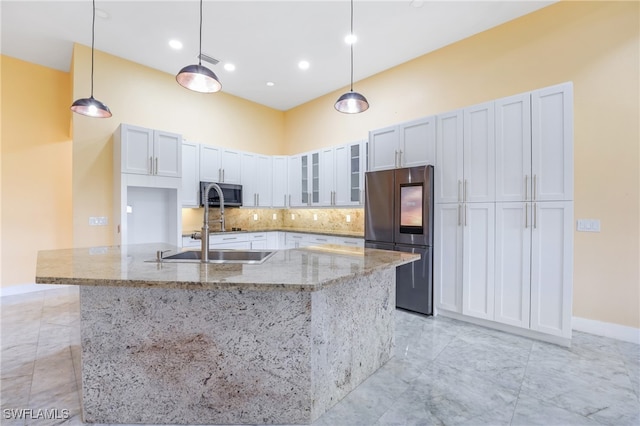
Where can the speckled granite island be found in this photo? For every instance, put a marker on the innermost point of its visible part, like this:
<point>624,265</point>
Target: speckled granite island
<point>179,343</point>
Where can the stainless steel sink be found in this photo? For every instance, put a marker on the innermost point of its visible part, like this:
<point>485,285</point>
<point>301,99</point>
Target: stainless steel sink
<point>221,256</point>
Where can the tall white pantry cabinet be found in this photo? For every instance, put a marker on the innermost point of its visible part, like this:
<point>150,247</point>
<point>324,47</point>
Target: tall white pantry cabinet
<point>504,213</point>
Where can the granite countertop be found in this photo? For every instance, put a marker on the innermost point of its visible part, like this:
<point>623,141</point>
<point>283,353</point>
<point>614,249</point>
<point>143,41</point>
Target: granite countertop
<point>304,269</point>
<point>331,233</point>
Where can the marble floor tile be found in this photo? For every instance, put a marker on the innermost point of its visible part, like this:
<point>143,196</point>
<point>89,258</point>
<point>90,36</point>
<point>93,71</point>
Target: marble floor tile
<point>444,372</point>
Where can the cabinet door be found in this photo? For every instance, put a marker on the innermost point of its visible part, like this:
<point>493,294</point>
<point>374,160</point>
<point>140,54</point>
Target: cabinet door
<point>417,142</point>
<point>552,143</point>
<point>552,267</point>
<point>210,168</point>
<point>513,263</point>
<point>136,149</point>
<point>478,220</point>
<point>231,163</point>
<point>263,180</point>
<point>513,148</point>
<point>449,152</point>
<point>326,181</point>
<point>190,174</point>
<point>167,151</point>
<point>249,188</point>
<point>279,181</point>
<point>479,183</point>
<point>305,186</point>
<point>383,148</point>
<point>295,190</point>
<point>447,257</point>
<point>348,174</point>
<point>315,178</point>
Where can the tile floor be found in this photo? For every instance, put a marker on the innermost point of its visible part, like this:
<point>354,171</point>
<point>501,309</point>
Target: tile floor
<point>444,372</point>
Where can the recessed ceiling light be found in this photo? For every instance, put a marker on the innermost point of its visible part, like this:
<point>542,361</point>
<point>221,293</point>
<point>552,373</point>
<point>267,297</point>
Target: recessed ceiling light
<point>270,83</point>
<point>175,44</point>
<point>417,3</point>
<point>229,67</point>
<point>303,65</point>
<point>351,38</point>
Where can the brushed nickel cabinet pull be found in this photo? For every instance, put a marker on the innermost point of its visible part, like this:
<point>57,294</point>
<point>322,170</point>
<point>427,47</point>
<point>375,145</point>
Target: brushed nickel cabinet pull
<point>400,159</point>
<point>150,165</point>
<point>465,214</point>
<point>156,171</point>
<point>459,219</point>
<point>526,216</point>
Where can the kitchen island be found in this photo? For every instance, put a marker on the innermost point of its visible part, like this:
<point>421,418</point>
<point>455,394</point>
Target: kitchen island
<point>191,343</point>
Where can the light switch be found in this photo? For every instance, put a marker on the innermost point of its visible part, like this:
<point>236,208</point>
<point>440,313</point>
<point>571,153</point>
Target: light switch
<point>588,225</point>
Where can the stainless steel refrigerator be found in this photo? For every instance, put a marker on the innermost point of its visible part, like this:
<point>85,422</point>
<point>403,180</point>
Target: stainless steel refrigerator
<point>399,216</point>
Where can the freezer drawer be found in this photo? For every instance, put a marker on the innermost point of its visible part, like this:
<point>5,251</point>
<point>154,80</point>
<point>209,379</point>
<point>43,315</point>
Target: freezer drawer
<point>414,281</point>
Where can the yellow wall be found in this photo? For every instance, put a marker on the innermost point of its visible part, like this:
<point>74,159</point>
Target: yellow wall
<point>149,98</point>
<point>36,166</point>
<point>594,44</point>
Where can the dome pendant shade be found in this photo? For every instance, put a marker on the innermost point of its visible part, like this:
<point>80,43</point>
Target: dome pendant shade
<point>352,103</point>
<point>91,107</point>
<point>199,79</point>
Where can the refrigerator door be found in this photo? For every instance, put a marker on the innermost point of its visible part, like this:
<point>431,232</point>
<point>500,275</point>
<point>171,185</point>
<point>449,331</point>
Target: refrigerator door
<point>413,210</point>
<point>414,283</point>
<point>378,207</point>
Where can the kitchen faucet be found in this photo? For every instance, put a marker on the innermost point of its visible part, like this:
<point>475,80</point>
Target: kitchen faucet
<point>204,235</point>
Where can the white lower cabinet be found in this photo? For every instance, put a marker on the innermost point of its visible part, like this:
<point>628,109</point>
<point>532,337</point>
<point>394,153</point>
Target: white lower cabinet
<point>447,257</point>
<point>258,240</point>
<point>478,224</point>
<point>506,262</point>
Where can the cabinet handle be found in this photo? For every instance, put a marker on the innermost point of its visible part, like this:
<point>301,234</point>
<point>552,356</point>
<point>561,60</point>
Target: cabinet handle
<point>459,190</point>
<point>395,158</point>
<point>459,219</point>
<point>150,165</point>
<point>465,215</point>
<point>526,187</point>
<point>258,199</point>
<point>156,171</point>
<point>535,215</point>
<point>223,175</point>
<point>230,238</point>
<point>219,175</point>
<point>400,159</point>
<point>285,201</point>
<point>526,216</point>
<point>465,191</point>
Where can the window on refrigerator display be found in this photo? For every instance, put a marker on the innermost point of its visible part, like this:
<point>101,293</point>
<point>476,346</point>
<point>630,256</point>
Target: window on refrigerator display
<point>411,208</point>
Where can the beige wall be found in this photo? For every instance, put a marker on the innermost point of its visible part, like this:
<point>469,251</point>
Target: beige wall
<point>594,44</point>
<point>146,97</point>
<point>36,166</point>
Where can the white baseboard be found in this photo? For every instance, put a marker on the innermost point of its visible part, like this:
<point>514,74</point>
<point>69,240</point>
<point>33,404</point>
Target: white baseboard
<point>607,329</point>
<point>27,288</point>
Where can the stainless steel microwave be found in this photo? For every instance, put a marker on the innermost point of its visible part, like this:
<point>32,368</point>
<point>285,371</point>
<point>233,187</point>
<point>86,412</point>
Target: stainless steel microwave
<point>232,195</point>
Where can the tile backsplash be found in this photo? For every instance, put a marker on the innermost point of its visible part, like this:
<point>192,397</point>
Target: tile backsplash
<point>261,219</point>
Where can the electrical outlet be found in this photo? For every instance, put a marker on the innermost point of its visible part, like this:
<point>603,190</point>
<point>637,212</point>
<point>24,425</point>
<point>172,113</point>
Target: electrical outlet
<point>315,216</point>
<point>98,221</point>
<point>255,216</point>
<point>588,225</point>
<point>275,216</point>
<point>348,218</point>
<point>293,216</point>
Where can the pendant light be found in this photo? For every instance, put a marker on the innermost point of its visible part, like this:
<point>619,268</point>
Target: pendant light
<point>197,77</point>
<point>352,102</point>
<point>90,106</point>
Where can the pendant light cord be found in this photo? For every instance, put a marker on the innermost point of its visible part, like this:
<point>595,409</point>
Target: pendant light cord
<point>352,41</point>
<point>200,53</point>
<point>93,35</point>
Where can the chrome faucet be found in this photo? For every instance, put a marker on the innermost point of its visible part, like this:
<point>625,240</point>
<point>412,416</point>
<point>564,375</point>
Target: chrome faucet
<point>204,235</point>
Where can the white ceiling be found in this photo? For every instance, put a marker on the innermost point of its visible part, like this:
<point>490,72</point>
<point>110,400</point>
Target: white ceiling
<point>265,39</point>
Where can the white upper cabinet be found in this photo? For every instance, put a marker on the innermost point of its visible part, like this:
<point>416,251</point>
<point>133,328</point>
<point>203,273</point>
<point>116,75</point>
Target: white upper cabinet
<point>256,180</point>
<point>450,161</point>
<point>220,165</point>
<point>148,152</point>
<point>417,142</point>
<point>295,181</point>
<point>349,174</point>
<point>327,184</point>
<point>479,154</point>
<point>279,190</point>
<point>405,145</point>
<point>552,143</point>
<point>513,148</point>
<point>190,174</point>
